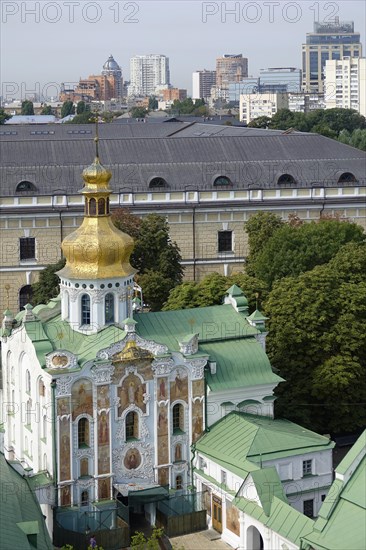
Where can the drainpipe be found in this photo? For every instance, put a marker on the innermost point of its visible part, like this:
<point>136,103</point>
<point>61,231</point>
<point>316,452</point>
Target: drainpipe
<point>207,429</point>
<point>193,449</point>
<point>194,241</point>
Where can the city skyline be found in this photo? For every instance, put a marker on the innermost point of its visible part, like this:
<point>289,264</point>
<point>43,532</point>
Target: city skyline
<point>192,37</point>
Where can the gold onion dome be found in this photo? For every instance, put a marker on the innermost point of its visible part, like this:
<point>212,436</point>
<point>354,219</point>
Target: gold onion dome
<point>97,249</point>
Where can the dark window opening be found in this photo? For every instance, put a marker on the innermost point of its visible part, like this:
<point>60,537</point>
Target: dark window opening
<point>92,207</point>
<point>178,418</point>
<point>25,186</point>
<point>309,508</point>
<point>286,178</point>
<point>84,498</point>
<point>109,308</point>
<point>101,207</point>
<point>347,177</point>
<point>157,182</point>
<point>179,482</point>
<point>225,241</point>
<point>83,432</point>
<point>25,296</point>
<point>85,309</point>
<point>27,248</point>
<point>222,180</point>
<point>131,425</point>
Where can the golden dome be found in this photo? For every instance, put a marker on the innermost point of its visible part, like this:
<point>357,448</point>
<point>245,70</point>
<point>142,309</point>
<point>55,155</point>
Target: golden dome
<point>97,249</point>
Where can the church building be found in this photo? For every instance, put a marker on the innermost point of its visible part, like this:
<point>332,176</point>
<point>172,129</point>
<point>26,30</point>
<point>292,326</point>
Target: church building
<point>122,413</point>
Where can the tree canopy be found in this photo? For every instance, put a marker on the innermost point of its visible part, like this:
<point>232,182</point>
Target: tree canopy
<point>287,249</point>
<point>317,341</point>
<point>47,286</point>
<point>155,256</point>
<point>4,116</point>
<point>46,110</point>
<point>67,108</point>
<point>27,107</point>
<point>138,112</point>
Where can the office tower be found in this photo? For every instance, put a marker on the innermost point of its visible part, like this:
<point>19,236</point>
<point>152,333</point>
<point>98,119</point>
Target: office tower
<point>202,82</point>
<point>280,79</point>
<point>330,40</point>
<point>147,73</point>
<point>345,84</point>
<point>230,68</point>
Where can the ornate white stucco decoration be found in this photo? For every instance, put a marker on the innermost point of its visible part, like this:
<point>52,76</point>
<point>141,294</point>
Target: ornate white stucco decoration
<point>180,467</point>
<point>149,345</point>
<point>144,470</point>
<point>162,365</point>
<point>102,374</point>
<point>197,367</point>
<point>63,385</point>
<point>189,344</point>
<point>61,359</point>
<point>74,293</point>
<point>85,483</point>
<point>84,453</point>
<point>200,399</point>
<point>97,296</point>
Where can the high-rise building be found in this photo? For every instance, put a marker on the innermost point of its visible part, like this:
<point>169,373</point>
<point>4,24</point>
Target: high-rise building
<point>147,73</point>
<point>345,84</point>
<point>330,40</point>
<point>230,68</point>
<point>256,105</point>
<point>280,80</point>
<point>202,82</point>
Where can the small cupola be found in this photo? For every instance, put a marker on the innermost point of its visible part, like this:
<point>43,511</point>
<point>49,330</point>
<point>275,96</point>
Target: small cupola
<point>235,296</point>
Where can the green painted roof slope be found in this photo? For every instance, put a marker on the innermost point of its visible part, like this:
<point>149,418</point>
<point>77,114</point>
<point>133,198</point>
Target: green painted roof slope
<point>211,323</point>
<point>268,485</point>
<point>19,506</point>
<point>240,437</point>
<point>342,517</point>
<point>241,362</point>
<point>283,519</point>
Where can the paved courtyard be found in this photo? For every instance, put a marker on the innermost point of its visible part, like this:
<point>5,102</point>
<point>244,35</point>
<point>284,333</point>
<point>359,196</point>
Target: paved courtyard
<point>204,540</point>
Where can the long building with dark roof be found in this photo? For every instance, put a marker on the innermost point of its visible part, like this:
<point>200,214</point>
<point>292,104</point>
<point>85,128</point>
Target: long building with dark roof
<point>207,179</point>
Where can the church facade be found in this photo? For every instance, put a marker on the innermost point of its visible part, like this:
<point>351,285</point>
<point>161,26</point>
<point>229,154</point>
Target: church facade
<point>108,403</point>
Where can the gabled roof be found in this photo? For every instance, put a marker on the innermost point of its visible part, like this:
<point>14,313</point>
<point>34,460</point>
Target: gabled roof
<point>342,518</point>
<point>20,513</point>
<point>268,485</point>
<point>239,438</point>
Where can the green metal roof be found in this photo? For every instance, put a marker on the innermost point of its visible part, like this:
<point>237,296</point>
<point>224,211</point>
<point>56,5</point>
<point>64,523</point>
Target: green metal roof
<point>283,519</point>
<point>240,437</point>
<point>20,513</point>
<point>211,323</point>
<point>257,316</point>
<point>235,290</point>
<point>342,517</point>
<point>241,362</point>
<point>268,485</point>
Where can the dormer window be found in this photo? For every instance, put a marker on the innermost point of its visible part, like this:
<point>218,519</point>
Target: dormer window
<point>222,180</point>
<point>157,182</point>
<point>286,179</point>
<point>347,177</point>
<point>25,186</point>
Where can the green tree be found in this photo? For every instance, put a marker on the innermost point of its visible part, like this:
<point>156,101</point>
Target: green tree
<point>155,256</point>
<point>80,107</point>
<point>138,112</point>
<point>259,229</point>
<point>4,116</point>
<point>47,110</point>
<point>127,222</point>
<point>84,118</point>
<point>27,108</point>
<point>153,103</point>
<point>294,249</point>
<point>260,122</point>
<point>317,341</point>
<point>47,286</point>
<point>140,542</point>
<point>67,108</point>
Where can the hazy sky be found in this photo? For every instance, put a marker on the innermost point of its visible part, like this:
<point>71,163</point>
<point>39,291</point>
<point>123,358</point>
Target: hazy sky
<point>49,41</point>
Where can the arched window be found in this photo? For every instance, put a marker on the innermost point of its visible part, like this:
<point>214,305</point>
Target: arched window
<point>83,432</point>
<point>179,482</point>
<point>84,467</point>
<point>178,418</point>
<point>25,186</point>
<point>85,309</point>
<point>41,388</point>
<point>109,308</point>
<point>107,212</point>
<point>25,296</point>
<point>67,304</point>
<point>157,182</point>
<point>92,207</point>
<point>178,453</point>
<point>286,179</point>
<point>222,180</point>
<point>101,207</point>
<point>84,498</point>
<point>347,177</point>
<point>132,426</point>
<point>27,381</point>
